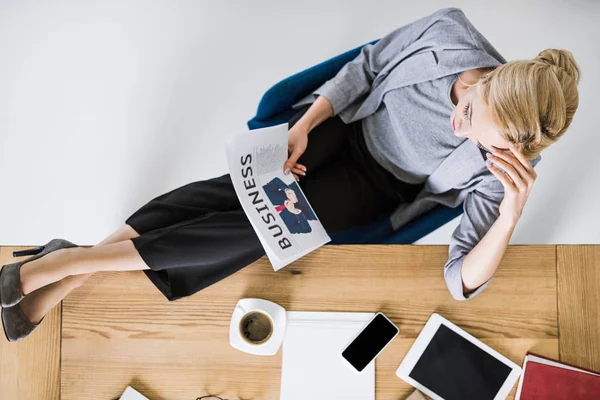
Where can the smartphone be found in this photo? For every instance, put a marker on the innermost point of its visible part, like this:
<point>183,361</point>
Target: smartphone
<point>371,341</point>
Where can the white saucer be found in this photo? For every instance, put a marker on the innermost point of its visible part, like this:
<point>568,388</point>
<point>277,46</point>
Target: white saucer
<point>277,313</point>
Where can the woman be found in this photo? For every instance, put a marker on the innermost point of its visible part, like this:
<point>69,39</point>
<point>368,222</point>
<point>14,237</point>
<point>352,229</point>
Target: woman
<point>430,114</point>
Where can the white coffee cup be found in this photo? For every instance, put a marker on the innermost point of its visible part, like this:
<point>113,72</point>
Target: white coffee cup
<point>257,326</point>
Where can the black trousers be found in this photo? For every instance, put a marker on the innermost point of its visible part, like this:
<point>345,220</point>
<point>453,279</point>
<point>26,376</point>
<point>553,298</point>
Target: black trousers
<point>198,234</point>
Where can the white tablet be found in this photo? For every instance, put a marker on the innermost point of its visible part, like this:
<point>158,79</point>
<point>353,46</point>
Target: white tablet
<point>447,363</point>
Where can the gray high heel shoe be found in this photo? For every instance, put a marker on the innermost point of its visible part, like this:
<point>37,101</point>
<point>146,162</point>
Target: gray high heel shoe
<point>15,323</point>
<point>10,276</point>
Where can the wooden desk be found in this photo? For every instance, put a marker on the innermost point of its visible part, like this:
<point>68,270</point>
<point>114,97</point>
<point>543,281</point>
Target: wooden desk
<point>118,330</point>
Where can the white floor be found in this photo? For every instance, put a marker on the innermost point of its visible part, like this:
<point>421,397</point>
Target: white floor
<point>104,105</point>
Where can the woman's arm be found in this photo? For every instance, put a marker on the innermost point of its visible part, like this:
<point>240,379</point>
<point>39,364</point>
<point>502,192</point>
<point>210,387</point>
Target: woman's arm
<point>318,112</point>
<point>354,79</point>
<point>483,260</point>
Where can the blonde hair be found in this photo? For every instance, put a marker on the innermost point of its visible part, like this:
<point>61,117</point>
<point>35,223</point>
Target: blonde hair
<point>533,101</point>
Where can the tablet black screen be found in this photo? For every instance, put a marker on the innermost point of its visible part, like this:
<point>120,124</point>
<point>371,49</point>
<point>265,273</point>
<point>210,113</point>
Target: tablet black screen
<point>454,368</point>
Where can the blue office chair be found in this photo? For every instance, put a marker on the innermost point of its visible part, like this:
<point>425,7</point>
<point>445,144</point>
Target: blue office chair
<point>275,108</point>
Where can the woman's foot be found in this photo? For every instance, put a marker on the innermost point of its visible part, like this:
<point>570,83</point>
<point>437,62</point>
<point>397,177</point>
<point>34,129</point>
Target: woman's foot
<point>40,273</point>
<point>15,324</point>
<point>39,303</point>
<point>20,321</point>
<point>11,285</point>
<point>24,317</point>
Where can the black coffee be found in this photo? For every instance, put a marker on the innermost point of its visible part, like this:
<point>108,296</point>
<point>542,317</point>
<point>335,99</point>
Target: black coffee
<point>256,327</point>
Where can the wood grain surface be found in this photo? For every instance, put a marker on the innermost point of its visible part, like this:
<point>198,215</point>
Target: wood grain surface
<point>118,330</point>
<point>579,305</point>
<point>30,369</point>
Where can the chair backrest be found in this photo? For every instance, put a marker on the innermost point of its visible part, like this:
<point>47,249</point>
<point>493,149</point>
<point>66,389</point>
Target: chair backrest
<point>275,106</point>
<point>381,232</point>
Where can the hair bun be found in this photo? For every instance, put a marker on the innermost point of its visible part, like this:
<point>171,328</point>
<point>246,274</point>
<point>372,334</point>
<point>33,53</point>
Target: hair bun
<point>562,59</point>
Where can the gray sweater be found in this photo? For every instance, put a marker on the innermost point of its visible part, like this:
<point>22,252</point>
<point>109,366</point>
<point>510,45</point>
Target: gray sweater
<point>410,135</point>
<point>398,87</point>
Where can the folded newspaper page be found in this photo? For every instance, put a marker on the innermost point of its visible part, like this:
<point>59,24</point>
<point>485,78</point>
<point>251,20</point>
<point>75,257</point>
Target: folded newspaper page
<point>280,214</point>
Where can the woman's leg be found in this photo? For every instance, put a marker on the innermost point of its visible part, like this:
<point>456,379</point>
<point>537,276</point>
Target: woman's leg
<point>170,241</point>
<point>343,196</point>
<point>120,256</point>
<point>199,231</point>
<point>39,302</point>
<point>194,236</point>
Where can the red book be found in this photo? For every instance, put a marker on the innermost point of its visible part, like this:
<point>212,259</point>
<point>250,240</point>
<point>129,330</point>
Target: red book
<point>545,379</point>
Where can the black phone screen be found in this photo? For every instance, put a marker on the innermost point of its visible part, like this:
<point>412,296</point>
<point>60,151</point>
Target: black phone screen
<point>456,369</point>
<point>369,342</point>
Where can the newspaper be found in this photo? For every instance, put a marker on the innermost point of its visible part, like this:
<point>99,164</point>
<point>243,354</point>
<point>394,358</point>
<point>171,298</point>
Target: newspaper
<point>280,214</point>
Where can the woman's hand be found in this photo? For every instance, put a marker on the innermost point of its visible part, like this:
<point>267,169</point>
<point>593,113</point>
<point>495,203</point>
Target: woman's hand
<point>297,142</point>
<point>517,181</point>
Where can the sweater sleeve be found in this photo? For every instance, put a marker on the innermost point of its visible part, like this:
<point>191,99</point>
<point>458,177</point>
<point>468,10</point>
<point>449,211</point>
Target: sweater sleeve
<point>481,209</point>
<point>355,78</point>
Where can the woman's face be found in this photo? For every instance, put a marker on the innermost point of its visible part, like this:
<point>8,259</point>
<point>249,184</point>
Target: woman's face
<point>472,119</point>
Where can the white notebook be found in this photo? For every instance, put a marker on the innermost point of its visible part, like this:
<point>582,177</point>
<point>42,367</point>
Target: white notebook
<point>313,367</point>
<point>132,394</point>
